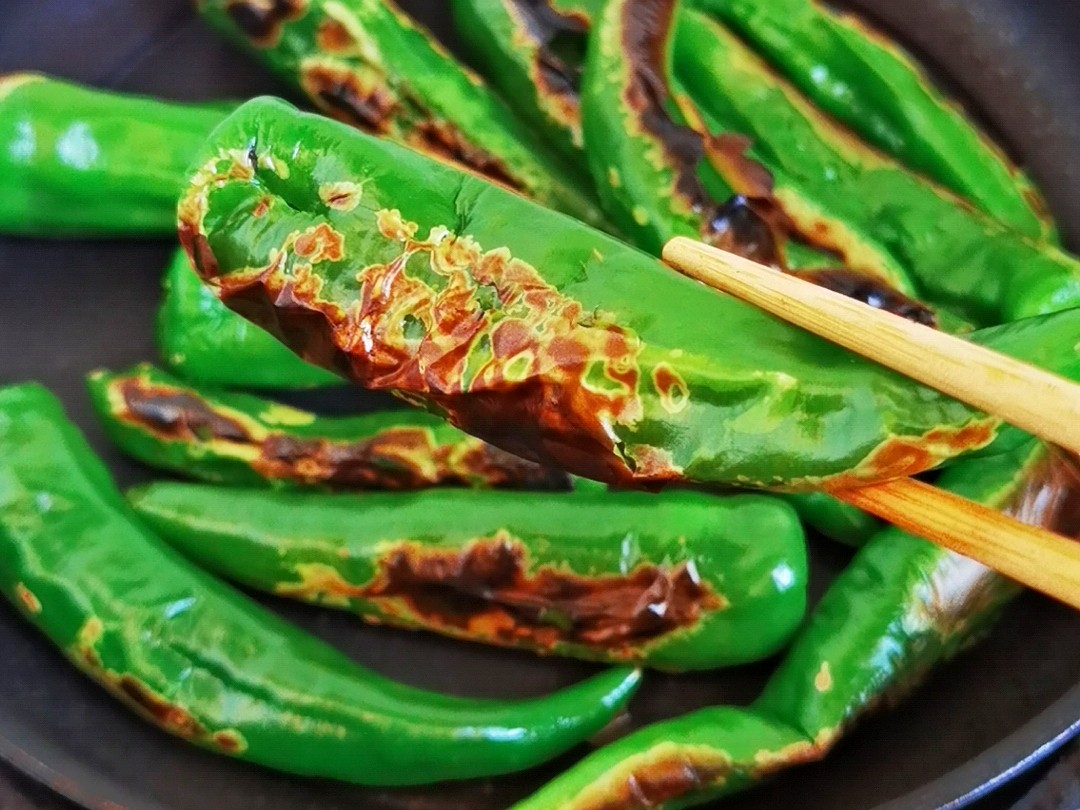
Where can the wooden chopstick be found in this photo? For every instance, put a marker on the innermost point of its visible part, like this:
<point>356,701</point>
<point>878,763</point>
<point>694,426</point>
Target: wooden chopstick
<point>1037,401</point>
<point>1032,556</point>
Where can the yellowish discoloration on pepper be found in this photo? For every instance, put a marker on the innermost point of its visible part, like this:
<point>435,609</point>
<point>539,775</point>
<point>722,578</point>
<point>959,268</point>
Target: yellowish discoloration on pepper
<point>10,82</point>
<point>393,226</point>
<point>321,584</point>
<point>345,32</point>
<point>641,216</point>
<point>342,195</point>
<point>614,178</point>
<point>661,774</point>
<point>26,598</point>
<point>823,680</point>
<point>278,414</point>
<point>903,456</point>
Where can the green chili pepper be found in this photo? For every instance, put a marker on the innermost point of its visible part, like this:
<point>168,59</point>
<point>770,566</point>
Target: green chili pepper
<point>659,178</point>
<point>862,79</point>
<point>550,340</point>
<point>899,608</point>
<point>82,162</point>
<point>244,440</point>
<point>960,258</point>
<point>532,54</point>
<point>204,341</point>
<point>365,63</point>
<point>676,581</point>
<point>834,518</point>
<point>202,662</point>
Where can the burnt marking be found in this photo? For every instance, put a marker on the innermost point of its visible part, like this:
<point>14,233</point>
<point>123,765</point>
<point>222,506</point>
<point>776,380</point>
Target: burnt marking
<point>441,139</point>
<point>262,21</point>
<point>870,291</point>
<point>367,103</point>
<point>557,80</point>
<point>663,774</point>
<point>176,415</point>
<point>394,458</point>
<point>167,715</point>
<point>485,592</point>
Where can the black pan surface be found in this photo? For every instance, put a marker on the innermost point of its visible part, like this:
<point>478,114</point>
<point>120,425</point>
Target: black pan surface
<point>68,307</point>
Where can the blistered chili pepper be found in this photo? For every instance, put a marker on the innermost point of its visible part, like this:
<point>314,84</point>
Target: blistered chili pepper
<point>366,63</point>
<point>960,258</point>
<point>82,162</point>
<point>204,341</point>
<point>552,341</point>
<point>864,80</point>
<point>243,440</point>
<point>902,606</point>
<point>201,661</point>
<point>677,581</point>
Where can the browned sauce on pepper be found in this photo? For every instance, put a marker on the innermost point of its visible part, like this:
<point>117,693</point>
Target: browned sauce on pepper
<point>261,21</point>
<point>487,591</point>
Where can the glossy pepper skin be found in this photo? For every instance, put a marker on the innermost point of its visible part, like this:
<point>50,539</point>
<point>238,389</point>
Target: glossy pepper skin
<point>242,440</point>
<point>902,606</point>
<point>206,664</point>
<point>657,378</point>
<point>677,581</point>
<point>202,340</point>
<point>81,162</point>
<point>366,63</point>
<point>862,79</point>
<point>960,258</point>
<point>521,48</point>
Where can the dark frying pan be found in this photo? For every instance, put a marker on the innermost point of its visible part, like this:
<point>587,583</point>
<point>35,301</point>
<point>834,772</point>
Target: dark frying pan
<point>68,307</point>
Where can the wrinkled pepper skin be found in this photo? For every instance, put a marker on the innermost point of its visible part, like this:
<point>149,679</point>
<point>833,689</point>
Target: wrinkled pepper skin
<point>902,606</point>
<point>676,581</point>
<point>78,162</point>
<point>520,47</point>
<point>366,63</point>
<point>202,340</point>
<point>554,341</point>
<point>865,81</point>
<point>658,177</point>
<point>960,258</point>
<point>242,440</point>
<point>204,663</point>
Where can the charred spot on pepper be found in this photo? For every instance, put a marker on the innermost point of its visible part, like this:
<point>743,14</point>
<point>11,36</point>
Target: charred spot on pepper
<point>646,26</point>
<point>262,21</point>
<point>30,603</point>
<point>870,291</point>
<point>485,590</point>
<point>171,716</point>
<point>443,139</point>
<point>341,93</point>
<point>176,415</point>
<point>738,226</point>
<point>727,152</point>
<point>560,50</point>
<point>657,777</point>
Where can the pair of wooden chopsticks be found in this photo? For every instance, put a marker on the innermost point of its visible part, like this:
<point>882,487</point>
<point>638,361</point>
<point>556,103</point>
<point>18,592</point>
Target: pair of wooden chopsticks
<point>1041,403</point>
